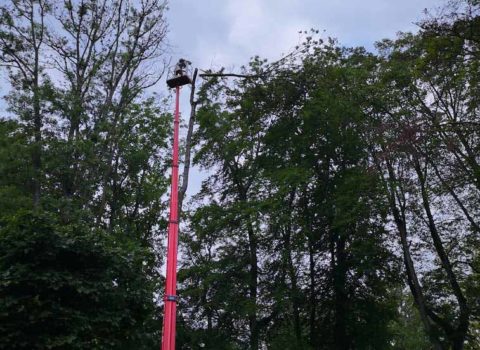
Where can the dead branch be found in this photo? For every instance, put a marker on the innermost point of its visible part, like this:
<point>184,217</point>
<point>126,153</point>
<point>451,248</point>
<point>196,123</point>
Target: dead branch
<point>188,144</point>
<point>210,75</point>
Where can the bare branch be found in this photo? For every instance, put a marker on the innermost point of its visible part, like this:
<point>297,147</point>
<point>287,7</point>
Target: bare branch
<point>188,144</point>
<point>211,75</point>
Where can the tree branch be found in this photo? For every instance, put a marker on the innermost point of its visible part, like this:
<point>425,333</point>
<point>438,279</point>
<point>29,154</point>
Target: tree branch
<point>188,144</point>
<point>210,75</point>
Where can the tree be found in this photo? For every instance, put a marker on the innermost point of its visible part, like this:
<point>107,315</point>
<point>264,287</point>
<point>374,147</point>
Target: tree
<point>428,152</point>
<point>291,186</point>
<point>67,285</point>
<point>90,193</point>
<point>22,52</point>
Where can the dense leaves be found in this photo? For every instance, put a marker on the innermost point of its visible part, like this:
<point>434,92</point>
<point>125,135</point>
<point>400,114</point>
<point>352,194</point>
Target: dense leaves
<point>82,174</point>
<point>340,206</point>
<point>341,182</point>
<point>65,285</point>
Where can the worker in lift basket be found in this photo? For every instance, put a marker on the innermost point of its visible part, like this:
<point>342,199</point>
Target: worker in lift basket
<point>180,67</point>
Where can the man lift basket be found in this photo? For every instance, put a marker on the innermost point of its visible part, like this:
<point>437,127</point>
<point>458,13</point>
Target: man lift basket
<point>180,76</point>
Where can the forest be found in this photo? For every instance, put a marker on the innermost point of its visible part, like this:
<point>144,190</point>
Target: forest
<point>340,207</point>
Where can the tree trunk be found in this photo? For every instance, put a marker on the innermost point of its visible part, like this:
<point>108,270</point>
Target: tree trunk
<point>37,116</point>
<point>459,335</point>
<point>188,145</point>
<point>253,286</point>
<point>341,339</point>
<point>313,299</point>
<point>412,278</point>
<point>253,271</point>
<point>37,147</point>
<point>294,291</point>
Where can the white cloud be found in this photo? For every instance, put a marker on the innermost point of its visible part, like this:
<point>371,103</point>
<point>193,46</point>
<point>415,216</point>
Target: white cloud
<point>264,28</point>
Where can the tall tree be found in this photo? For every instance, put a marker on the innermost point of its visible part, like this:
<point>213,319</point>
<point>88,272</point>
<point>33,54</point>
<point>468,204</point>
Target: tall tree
<point>22,52</point>
<point>428,150</point>
<point>79,73</point>
<point>289,159</point>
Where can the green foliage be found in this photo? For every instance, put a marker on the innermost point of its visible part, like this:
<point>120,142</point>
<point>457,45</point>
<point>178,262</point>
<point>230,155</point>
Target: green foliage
<point>326,169</point>
<point>15,168</point>
<point>66,285</point>
<point>407,327</point>
<point>312,155</point>
<point>82,175</point>
<point>292,184</point>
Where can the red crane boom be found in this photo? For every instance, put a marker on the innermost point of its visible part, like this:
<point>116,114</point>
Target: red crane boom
<point>170,315</point>
<point>169,319</point>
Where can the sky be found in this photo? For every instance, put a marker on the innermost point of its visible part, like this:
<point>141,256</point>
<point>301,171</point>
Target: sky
<point>216,33</point>
<point>227,33</point>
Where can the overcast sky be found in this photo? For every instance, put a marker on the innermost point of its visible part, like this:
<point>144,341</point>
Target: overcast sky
<point>226,33</point>
<point>215,33</point>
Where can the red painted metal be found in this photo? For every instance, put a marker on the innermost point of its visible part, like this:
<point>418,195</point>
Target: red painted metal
<point>169,319</point>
